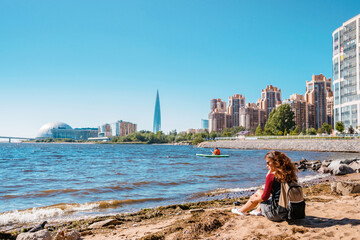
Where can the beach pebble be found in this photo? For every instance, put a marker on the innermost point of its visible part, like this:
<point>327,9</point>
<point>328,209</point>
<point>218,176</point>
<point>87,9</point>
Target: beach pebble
<point>42,234</point>
<point>104,223</point>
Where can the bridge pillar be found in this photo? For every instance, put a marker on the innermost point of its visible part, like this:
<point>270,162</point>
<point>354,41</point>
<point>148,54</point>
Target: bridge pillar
<point>9,140</point>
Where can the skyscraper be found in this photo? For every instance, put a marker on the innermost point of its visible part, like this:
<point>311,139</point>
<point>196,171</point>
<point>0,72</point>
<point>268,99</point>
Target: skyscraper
<point>318,93</point>
<point>235,103</point>
<point>157,115</point>
<point>270,98</point>
<point>346,72</point>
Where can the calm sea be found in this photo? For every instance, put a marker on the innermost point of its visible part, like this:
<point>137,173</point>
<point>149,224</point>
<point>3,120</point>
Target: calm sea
<point>57,181</point>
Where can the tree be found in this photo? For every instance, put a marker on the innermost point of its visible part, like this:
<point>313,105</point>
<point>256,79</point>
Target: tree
<point>311,131</point>
<point>303,131</point>
<point>280,119</point>
<point>320,130</point>
<point>295,131</point>
<point>327,127</point>
<point>197,140</point>
<point>213,135</point>
<point>258,131</point>
<point>339,126</point>
<point>351,130</point>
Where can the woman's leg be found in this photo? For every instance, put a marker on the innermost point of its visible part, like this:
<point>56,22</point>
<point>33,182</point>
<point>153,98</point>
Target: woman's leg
<point>253,201</point>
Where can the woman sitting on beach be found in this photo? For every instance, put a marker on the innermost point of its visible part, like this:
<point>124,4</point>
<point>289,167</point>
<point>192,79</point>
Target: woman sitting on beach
<point>280,170</point>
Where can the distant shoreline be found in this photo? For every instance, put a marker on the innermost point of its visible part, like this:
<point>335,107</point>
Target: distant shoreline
<point>350,146</point>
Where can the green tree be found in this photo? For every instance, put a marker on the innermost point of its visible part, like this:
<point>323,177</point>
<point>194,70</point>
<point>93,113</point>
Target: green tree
<point>320,130</point>
<point>351,130</point>
<point>295,131</point>
<point>213,134</point>
<point>258,131</point>
<point>327,127</point>
<point>197,140</point>
<point>303,131</point>
<point>339,126</point>
<point>311,131</point>
<point>285,132</point>
<point>280,119</point>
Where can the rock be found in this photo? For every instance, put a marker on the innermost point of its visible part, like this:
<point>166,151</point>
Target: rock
<point>303,161</point>
<point>333,187</point>
<point>38,227</point>
<point>348,161</point>
<point>334,164</point>
<point>67,235</point>
<point>355,165</point>
<point>343,169</point>
<point>198,210</point>
<point>324,169</point>
<point>104,223</point>
<point>345,188</point>
<point>39,235</point>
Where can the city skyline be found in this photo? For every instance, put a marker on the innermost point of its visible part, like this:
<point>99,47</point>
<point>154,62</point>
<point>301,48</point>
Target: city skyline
<point>86,63</point>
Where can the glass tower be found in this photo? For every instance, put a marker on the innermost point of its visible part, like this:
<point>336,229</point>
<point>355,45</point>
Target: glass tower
<point>157,115</point>
<point>346,72</point>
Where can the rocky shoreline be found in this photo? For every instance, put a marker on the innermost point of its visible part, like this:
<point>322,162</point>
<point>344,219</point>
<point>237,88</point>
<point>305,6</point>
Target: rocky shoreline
<point>340,182</point>
<point>317,145</point>
<point>213,220</point>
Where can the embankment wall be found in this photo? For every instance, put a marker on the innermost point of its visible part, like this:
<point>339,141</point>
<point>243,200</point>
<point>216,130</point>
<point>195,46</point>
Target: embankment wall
<point>289,145</point>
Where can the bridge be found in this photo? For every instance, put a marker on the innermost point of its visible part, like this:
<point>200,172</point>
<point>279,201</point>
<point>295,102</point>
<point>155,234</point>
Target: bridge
<point>20,138</point>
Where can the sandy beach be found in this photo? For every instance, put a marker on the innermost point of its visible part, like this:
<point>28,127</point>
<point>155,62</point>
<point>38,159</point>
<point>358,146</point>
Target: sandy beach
<point>329,216</point>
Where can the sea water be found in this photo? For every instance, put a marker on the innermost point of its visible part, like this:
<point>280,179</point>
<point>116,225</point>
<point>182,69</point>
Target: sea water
<point>62,181</point>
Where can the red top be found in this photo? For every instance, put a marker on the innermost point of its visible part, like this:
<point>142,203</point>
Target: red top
<point>268,185</point>
<point>216,152</point>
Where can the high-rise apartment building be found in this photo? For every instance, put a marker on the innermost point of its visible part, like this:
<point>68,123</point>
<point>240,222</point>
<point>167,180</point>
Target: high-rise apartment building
<point>346,59</point>
<point>217,104</point>
<point>157,114</point>
<point>251,116</point>
<point>318,93</point>
<point>270,98</point>
<point>119,128</point>
<point>219,118</point>
<point>235,103</point>
<point>204,124</point>
<point>298,105</point>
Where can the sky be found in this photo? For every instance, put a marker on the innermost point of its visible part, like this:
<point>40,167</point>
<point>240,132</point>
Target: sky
<point>87,62</point>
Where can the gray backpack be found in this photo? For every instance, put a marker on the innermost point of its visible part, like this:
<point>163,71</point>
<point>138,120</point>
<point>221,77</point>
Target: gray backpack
<point>291,201</point>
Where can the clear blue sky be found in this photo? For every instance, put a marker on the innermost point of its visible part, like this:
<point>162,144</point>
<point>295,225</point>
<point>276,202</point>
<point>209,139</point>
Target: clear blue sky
<point>89,62</point>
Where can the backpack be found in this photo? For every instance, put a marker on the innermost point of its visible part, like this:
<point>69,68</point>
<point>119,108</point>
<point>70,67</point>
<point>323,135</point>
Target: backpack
<point>291,201</point>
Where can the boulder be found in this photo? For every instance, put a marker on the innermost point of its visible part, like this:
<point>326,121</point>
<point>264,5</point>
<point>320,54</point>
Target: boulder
<point>348,161</point>
<point>67,235</point>
<point>324,169</point>
<point>343,169</point>
<point>39,235</point>
<point>104,223</point>
<point>326,162</point>
<point>355,165</point>
<point>334,164</point>
<point>345,188</point>
<point>303,161</point>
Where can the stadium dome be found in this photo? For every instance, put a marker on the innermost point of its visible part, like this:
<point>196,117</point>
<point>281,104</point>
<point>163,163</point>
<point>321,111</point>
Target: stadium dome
<point>45,130</point>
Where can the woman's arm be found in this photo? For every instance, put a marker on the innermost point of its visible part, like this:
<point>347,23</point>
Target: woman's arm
<point>268,185</point>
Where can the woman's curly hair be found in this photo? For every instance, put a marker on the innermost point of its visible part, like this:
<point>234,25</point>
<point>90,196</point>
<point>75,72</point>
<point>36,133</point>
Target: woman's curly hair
<point>285,170</point>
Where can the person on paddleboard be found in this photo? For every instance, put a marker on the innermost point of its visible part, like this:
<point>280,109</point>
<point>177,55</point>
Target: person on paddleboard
<point>216,151</point>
